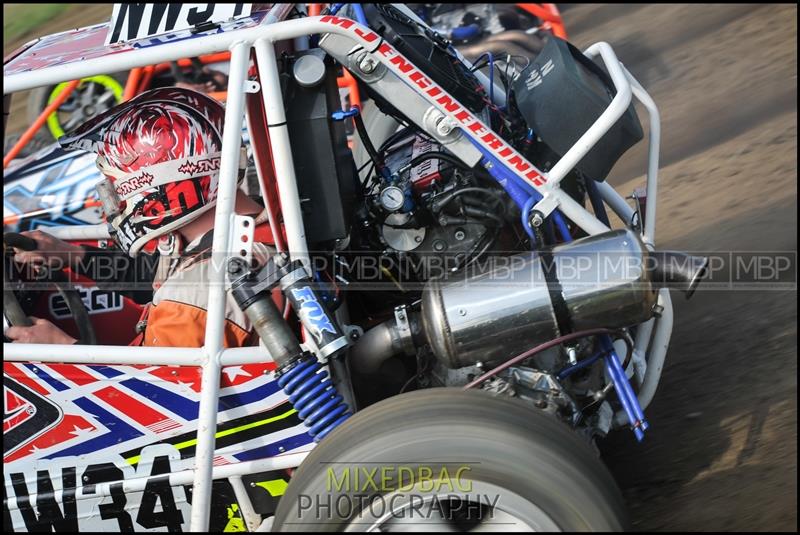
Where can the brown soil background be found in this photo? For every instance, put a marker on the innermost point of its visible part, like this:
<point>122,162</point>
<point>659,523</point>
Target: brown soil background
<point>721,453</point>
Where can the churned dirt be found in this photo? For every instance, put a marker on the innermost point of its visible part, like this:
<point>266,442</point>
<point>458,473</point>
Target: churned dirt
<point>721,453</point>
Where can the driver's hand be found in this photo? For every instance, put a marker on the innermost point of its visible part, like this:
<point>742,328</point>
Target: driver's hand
<point>41,332</point>
<point>50,251</point>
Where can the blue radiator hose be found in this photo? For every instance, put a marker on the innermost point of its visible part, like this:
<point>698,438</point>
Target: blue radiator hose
<point>463,33</point>
<point>358,11</point>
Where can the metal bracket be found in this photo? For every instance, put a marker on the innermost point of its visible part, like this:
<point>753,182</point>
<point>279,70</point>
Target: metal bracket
<point>251,86</point>
<point>241,241</point>
<point>546,206</point>
<point>353,332</point>
<point>404,329</point>
<point>368,67</point>
<point>440,126</point>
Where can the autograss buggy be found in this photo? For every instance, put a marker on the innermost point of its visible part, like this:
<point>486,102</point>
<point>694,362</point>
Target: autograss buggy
<point>462,271</point>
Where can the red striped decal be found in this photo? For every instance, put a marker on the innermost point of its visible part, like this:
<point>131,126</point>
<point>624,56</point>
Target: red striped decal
<point>15,373</point>
<point>73,373</point>
<point>134,409</point>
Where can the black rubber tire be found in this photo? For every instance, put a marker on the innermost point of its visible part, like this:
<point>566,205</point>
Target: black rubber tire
<point>505,442</point>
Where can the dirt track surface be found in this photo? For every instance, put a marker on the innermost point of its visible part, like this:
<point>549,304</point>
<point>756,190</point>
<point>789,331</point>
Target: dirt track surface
<point>721,453</point>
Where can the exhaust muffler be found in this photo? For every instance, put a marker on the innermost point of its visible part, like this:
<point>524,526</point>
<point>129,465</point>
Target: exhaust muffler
<point>608,280</point>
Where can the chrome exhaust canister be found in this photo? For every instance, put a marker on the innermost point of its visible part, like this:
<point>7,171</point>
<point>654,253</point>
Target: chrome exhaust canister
<point>605,280</point>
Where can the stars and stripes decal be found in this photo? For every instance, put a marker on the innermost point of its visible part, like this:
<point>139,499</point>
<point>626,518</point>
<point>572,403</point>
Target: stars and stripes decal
<point>66,410</point>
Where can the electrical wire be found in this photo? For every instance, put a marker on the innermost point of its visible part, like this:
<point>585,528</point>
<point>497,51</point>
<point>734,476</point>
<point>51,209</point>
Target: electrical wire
<point>495,195</point>
<point>367,142</point>
<point>419,375</point>
<point>439,155</point>
<point>538,349</point>
<point>485,248</point>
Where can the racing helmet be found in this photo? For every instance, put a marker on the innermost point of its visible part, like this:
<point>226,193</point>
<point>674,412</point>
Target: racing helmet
<point>160,155</point>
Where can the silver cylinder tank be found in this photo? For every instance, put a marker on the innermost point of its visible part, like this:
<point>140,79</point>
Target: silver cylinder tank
<point>598,281</point>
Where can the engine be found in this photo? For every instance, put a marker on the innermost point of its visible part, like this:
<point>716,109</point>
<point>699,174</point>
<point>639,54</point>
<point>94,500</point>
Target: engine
<point>464,290</point>
<point>428,207</point>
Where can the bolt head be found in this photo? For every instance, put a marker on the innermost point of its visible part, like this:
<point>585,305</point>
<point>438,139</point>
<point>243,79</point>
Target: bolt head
<point>460,235</point>
<point>537,220</point>
<point>235,267</point>
<point>443,127</point>
<point>366,64</point>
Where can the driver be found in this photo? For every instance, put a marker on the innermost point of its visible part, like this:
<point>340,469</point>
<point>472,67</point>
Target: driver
<point>160,155</point>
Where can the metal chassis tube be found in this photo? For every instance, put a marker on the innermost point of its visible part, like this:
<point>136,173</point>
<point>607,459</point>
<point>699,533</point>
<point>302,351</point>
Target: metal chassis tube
<point>185,477</point>
<point>122,355</point>
<point>212,356</point>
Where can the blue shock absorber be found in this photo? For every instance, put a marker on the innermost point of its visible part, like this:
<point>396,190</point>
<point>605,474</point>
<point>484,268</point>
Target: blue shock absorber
<point>313,395</point>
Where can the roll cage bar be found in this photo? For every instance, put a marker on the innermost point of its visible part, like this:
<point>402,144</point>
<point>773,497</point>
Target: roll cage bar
<point>212,356</point>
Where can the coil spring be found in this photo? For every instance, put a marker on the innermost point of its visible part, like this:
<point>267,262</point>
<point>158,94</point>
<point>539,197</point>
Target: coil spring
<point>313,395</point>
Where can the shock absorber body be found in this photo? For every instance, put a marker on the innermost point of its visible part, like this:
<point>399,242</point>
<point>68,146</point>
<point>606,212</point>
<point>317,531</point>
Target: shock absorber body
<point>299,373</point>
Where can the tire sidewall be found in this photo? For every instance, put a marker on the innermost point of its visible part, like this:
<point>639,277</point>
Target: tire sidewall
<point>502,442</point>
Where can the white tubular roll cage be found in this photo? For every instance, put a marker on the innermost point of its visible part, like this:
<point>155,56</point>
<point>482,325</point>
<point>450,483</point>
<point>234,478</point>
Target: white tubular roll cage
<point>652,338</point>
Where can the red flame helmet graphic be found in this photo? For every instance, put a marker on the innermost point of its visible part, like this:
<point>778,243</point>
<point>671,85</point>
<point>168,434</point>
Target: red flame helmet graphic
<point>159,153</point>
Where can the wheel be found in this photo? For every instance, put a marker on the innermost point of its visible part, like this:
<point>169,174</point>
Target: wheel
<point>94,95</point>
<point>451,460</point>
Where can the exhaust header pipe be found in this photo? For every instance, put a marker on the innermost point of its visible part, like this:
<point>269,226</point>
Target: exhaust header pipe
<point>608,280</point>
